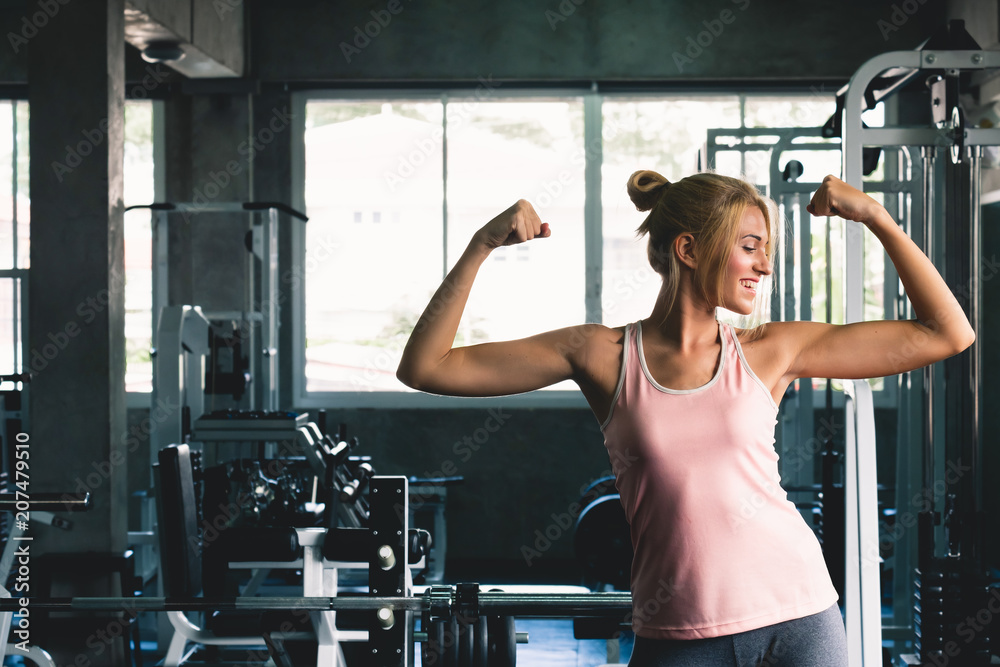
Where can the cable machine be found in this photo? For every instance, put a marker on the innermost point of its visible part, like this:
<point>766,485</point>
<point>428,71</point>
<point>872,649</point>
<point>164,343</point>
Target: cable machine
<point>930,183</point>
<point>950,580</point>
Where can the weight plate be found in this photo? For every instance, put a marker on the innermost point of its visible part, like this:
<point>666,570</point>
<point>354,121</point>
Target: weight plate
<point>481,646</point>
<point>503,641</point>
<point>466,643</point>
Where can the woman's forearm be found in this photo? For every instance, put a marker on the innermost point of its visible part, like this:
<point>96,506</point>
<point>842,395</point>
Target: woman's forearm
<point>933,302</point>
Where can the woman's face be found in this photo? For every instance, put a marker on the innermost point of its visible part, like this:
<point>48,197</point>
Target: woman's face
<point>747,264</point>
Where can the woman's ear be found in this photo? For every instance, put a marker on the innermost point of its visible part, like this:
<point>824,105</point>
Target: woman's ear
<point>685,250</point>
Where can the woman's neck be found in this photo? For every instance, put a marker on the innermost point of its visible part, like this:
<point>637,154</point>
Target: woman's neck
<point>691,322</point>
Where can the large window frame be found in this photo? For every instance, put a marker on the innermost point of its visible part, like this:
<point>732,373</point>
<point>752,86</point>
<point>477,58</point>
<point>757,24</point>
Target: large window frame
<point>401,399</point>
<point>593,274</point>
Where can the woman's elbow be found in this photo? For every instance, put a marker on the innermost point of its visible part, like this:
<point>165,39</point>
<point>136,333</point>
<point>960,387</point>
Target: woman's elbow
<point>409,376</point>
<point>965,338</point>
<point>957,339</point>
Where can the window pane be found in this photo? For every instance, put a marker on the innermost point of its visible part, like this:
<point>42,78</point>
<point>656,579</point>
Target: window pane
<point>14,230</point>
<point>14,205</point>
<point>499,152</point>
<point>664,135</point>
<point>798,111</point>
<point>374,245</point>
<point>6,186</point>
<point>23,190</point>
<point>10,316</point>
<point>139,189</point>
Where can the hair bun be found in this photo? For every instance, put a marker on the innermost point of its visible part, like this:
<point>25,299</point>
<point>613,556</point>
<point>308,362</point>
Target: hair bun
<point>645,188</point>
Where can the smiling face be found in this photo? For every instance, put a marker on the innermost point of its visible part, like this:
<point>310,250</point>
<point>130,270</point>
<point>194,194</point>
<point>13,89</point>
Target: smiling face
<point>748,263</point>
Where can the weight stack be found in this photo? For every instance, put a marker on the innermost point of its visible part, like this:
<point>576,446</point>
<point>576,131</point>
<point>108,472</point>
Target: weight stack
<point>953,615</point>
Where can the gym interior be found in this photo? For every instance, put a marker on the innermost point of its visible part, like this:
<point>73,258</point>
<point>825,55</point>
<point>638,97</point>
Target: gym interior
<point>220,220</point>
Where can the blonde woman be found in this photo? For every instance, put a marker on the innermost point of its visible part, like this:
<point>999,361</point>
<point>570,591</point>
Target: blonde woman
<point>693,402</point>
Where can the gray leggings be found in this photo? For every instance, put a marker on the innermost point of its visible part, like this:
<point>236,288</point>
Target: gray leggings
<point>812,641</point>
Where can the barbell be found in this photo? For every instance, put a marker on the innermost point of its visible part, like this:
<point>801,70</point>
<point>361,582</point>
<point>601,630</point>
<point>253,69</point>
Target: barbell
<point>490,603</point>
<point>460,627</point>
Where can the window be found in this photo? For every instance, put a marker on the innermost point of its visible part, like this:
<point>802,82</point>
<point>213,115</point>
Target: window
<point>139,188</point>
<point>14,235</point>
<point>15,239</point>
<point>662,134</point>
<point>382,165</point>
<point>395,187</point>
<point>364,282</point>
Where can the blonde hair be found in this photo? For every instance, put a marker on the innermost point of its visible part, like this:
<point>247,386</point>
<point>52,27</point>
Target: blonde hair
<point>709,207</point>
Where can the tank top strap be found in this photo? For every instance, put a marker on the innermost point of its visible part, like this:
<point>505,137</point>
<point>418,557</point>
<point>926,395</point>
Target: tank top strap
<point>739,362</point>
<point>733,351</point>
<point>630,356</point>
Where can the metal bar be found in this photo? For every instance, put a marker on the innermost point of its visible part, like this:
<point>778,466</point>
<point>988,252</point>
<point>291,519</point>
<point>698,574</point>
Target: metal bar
<point>268,308</point>
<point>46,502</point>
<point>555,605</point>
<point>19,362</point>
<point>739,132</point>
<point>511,604</point>
<point>958,275</point>
<point>861,590</point>
<point>221,207</point>
<point>806,407</point>
<point>974,424</point>
<point>743,116</point>
<point>862,601</point>
<point>926,136</point>
<point>298,252</point>
<point>444,185</point>
<point>257,393</point>
<point>592,212</point>
<point>925,529</point>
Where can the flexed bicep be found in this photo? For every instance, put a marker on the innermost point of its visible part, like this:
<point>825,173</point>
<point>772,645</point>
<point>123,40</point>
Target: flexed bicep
<point>502,368</point>
<point>879,348</point>
<point>431,363</point>
<point>860,350</point>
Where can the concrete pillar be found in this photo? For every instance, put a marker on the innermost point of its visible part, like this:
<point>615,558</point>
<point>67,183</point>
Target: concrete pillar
<point>207,147</point>
<point>208,162</point>
<point>76,283</point>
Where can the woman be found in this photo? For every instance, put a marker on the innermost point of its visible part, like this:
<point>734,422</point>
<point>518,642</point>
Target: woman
<point>726,572</point>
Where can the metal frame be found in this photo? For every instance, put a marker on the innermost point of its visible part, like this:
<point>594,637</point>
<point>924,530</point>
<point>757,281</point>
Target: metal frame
<point>864,632</point>
<point>178,379</point>
<point>521,604</point>
<point>264,352</point>
<point>862,588</point>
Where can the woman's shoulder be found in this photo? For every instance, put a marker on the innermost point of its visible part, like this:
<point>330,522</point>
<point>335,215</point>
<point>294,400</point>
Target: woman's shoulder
<point>596,337</point>
<point>765,330</point>
<point>596,355</point>
<point>594,348</point>
<point>776,333</point>
<point>772,346</point>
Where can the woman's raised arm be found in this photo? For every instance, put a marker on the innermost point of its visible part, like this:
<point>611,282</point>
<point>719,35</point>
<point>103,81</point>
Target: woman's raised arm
<point>874,349</point>
<point>431,364</point>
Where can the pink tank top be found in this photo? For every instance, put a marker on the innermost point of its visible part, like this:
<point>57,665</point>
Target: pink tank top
<point>719,548</point>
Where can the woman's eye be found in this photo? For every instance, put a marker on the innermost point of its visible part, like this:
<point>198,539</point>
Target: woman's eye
<point>749,249</point>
